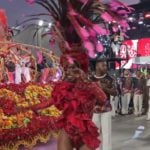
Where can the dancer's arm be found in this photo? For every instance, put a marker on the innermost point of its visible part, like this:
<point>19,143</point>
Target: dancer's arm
<point>110,87</point>
<point>36,107</point>
<point>45,104</point>
<point>99,93</point>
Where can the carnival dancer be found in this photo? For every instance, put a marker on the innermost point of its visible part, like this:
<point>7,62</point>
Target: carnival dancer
<point>57,73</point>
<point>102,116</point>
<point>138,94</point>
<point>10,66</point>
<point>26,67</point>
<point>148,90</point>
<point>127,86</point>
<point>45,71</point>
<point>18,72</point>
<point>77,76</point>
<point>22,67</point>
<point>70,96</point>
<point>44,67</point>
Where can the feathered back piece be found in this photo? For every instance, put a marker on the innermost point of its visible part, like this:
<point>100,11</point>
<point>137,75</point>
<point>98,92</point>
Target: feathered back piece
<point>3,18</point>
<point>80,22</point>
<point>75,56</point>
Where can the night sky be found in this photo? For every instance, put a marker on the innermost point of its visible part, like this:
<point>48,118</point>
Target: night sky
<point>17,9</point>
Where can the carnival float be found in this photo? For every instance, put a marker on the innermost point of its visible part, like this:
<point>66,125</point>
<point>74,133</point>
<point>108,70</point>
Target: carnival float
<point>26,80</point>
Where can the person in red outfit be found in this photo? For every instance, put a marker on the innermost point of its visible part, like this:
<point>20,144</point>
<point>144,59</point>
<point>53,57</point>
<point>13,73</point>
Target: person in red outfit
<point>77,128</point>
<point>76,97</point>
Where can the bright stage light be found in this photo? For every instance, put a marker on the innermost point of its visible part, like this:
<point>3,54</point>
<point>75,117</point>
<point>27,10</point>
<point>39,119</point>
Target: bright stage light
<point>50,25</point>
<point>147,15</point>
<point>140,22</point>
<point>131,19</point>
<point>41,22</point>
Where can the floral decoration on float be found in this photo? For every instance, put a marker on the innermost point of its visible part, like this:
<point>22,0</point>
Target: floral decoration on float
<point>19,125</point>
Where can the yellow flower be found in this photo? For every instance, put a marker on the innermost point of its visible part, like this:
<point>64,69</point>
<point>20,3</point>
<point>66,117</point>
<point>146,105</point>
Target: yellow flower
<point>32,93</point>
<point>31,97</point>
<point>50,111</point>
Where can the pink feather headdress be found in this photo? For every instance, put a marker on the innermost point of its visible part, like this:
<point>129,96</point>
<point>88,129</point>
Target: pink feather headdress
<point>82,21</point>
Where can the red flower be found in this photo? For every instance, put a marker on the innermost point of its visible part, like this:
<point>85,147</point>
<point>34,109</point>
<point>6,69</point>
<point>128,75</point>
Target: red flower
<point>8,106</point>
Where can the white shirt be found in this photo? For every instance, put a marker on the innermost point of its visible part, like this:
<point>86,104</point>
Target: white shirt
<point>148,82</point>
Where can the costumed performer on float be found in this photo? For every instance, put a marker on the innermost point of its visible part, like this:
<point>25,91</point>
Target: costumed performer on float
<point>22,62</point>
<point>10,68</point>
<point>22,66</point>
<point>4,48</point>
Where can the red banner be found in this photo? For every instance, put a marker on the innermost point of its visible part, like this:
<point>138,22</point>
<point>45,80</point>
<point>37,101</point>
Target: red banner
<point>134,48</point>
<point>144,47</point>
<point>128,50</point>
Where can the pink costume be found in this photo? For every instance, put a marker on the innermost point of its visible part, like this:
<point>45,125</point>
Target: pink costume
<point>11,77</point>
<point>45,73</point>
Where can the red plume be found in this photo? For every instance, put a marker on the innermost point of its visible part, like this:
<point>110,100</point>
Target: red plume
<point>75,56</point>
<point>3,18</point>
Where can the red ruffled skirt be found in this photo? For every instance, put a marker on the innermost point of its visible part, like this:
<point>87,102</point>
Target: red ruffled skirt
<point>77,102</point>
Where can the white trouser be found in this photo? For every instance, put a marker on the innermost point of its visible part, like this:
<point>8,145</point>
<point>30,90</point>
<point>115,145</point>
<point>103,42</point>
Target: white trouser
<point>26,73</point>
<point>148,113</point>
<point>125,103</point>
<point>18,71</point>
<point>138,103</point>
<point>114,103</point>
<point>103,122</point>
<point>22,70</point>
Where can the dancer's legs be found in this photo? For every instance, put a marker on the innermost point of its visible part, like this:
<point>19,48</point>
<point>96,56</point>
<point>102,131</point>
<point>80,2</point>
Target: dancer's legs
<point>45,74</point>
<point>84,147</point>
<point>64,143</point>
<point>106,131</point>
<point>10,77</point>
<point>18,71</point>
<point>26,73</point>
<point>135,101</point>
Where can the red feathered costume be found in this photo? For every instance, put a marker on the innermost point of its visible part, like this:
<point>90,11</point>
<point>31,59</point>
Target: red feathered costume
<point>77,100</point>
<point>76,56</point>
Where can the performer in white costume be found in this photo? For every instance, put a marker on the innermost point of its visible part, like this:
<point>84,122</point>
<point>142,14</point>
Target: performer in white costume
<point>22,68</point>
<point>148,86</point>
<point>127,86</point>
<point>102,117</point>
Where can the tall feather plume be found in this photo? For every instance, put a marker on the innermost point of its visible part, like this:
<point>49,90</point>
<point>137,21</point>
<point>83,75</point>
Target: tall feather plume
<point>81,21</point>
